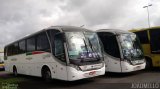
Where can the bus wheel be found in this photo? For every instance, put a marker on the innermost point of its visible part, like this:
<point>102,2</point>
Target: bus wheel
<point>46,75</point>
<point>15,71</point>
<point>148,64</point>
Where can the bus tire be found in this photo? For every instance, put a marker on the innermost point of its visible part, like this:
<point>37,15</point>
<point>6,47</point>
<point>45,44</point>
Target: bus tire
<point>46,74</point>
<point>148,63</point>
<point>15,71</point>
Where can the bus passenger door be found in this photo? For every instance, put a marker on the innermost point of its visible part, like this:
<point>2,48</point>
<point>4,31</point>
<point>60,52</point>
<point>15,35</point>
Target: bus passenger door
<point>59,52</point>
<point>111,51</point>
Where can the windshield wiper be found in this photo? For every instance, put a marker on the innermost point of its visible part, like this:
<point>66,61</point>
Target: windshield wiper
<point>87,59</point>
<point>90,44</point>
<point>82,60</point>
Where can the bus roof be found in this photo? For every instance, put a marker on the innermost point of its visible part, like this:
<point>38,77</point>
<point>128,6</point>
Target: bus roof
<point>60,28</point>
<point>68,28</point>
<point>142,29</point>
<point>115,31</point>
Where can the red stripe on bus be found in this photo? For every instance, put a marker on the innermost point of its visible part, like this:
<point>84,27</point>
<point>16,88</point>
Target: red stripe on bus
<point>37,52</point>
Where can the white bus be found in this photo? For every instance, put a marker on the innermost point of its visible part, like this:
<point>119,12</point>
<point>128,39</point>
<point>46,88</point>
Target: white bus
<point>122,51</point>
<point>60,52</point>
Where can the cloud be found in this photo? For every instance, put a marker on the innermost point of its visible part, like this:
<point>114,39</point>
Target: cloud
<point>21,17</point>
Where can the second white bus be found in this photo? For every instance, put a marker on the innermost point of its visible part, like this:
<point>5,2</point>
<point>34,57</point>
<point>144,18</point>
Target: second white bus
<point>122,51</point>
<point>60,52</point>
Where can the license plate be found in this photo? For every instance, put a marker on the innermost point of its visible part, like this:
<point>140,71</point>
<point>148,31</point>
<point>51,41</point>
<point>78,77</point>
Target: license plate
<point>90,74</point>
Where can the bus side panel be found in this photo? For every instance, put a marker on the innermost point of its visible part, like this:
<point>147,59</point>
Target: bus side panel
<point>61,71</point>
<point>7,66</point>
<point>146,49</point>
<point>40,60</point>
<point>156,60</point>
<point>31,64</point>
<point>19,62</point>
<point>112,64</point>
<point>154,57</point>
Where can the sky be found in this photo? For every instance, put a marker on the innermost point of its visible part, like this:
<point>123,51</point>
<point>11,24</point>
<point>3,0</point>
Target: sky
<point>19,18</point>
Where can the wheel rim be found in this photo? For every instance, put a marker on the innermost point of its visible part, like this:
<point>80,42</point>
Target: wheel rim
<point>148,65</point>
<point>47,76</point>
<point>15,72</point>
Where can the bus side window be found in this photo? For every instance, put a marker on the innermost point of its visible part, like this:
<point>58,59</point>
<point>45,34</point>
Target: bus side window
<point>5,53</point>
<point>43,43</point>
<point>9,51</point>
<point>31,44</point>
<point>59,47</point>
<point>22,46</point>
<point>110,44</point>
<point>51,33</point>
<point>143,36</point>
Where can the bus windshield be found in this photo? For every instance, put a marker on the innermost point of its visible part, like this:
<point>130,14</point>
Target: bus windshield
<point>83,47</point>
<point>131,47</point>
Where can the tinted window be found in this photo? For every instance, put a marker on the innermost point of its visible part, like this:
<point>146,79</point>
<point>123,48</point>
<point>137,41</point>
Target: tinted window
<point>9,51</point>
<point>5,53</point>
<point>110,43</point>
<point>12,49</point>
<point>51,34</point>
<point>42,42</point>
<point>59,47</point>
<point>15,48</point>
<point>142,35</point>
<point>155,40</point>
<point>22,46</point>
<point>31,44</point>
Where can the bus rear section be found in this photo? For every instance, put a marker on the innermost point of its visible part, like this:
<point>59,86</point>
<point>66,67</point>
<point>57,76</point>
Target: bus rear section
<point>122,51</point>
<point>58,52</point>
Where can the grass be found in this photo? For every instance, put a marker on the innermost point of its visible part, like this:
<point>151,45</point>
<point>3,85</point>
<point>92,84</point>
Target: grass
<point>8,79</point>
<point>11,80</point>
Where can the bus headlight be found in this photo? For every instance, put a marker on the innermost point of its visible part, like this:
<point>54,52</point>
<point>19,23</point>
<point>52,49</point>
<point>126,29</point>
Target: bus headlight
<point>134,62</point>
<point>137,62</point>
<point>75,66</point>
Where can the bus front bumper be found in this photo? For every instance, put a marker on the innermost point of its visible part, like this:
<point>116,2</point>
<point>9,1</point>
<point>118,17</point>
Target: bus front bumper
<point>74,74</point>
<point>126,67</point>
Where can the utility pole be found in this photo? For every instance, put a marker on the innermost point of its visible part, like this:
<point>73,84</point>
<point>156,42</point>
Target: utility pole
<point>148,13</point>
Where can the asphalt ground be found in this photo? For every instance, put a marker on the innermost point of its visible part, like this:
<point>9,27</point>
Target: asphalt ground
<point>149,79</point>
